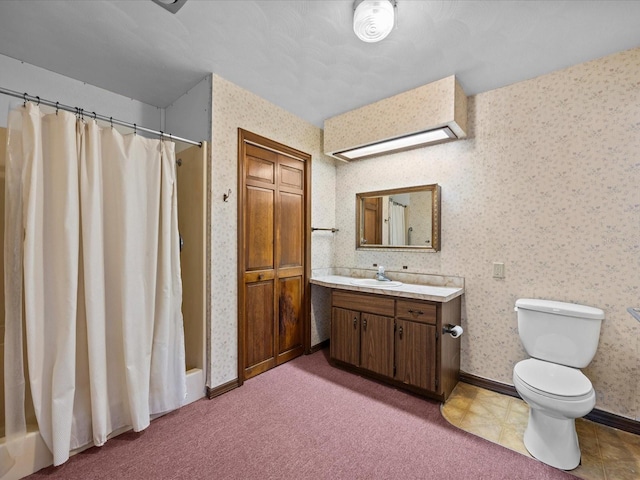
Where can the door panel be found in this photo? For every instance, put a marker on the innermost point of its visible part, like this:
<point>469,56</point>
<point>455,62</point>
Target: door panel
<point>345,335</point>
<point>291,232</point>
<point>416,354</point>
<point>259,331</point>
<point>259,221</point>
<point>260,165</point>
<point>376,346</point>
<point>291,176</point>
<point>289,316</point>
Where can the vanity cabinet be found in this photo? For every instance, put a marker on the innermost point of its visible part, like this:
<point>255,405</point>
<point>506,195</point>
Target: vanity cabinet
<point>363,329</point>
<point>396,340</point>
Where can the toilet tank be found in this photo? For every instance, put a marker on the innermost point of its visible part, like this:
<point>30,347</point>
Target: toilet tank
<point>558,332</point>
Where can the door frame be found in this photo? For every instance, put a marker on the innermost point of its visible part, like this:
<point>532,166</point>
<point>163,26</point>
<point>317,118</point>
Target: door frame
<point>245,137</point>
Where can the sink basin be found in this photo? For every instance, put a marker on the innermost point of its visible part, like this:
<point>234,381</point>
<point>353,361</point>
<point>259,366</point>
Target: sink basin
<point>373,283</point>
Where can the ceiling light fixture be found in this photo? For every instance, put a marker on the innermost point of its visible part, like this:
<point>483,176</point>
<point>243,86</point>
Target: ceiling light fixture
<point>172,5</point>
<point>408,142</point>
<point>373,20</point>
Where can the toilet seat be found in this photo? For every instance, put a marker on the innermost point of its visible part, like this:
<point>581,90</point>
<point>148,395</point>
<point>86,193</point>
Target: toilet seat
<point>553,380</point>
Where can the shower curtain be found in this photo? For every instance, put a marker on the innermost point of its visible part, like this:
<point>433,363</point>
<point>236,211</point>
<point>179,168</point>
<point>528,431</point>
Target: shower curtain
<point>91,243</point>
<point>396,224</point>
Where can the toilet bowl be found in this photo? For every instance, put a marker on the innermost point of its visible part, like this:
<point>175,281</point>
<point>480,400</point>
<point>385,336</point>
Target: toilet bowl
<point>561,338</point>
<point>556,396</point>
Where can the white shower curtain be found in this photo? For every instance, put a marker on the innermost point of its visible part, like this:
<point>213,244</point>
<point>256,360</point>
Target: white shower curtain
<point>396,224</point>
<point>91,230</point>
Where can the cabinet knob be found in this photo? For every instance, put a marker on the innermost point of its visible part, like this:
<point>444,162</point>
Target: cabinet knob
<point>260,277</point>
<point>355,322</point>
<point>364,323</point>
<point>400,332</point>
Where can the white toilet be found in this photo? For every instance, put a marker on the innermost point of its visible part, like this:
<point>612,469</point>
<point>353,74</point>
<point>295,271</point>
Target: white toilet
<point>561,338</point>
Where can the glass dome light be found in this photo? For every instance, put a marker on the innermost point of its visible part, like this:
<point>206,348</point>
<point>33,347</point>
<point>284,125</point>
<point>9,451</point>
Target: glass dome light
<point>373,20</point>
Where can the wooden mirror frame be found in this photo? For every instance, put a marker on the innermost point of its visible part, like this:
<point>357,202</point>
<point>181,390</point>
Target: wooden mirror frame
<point>435,218</point>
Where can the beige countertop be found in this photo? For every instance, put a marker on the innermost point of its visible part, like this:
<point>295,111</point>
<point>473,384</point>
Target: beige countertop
<point>406,290</point>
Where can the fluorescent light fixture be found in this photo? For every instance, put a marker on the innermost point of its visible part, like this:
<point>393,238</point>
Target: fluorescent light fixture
<point>373,20</point>
<point>407,142</point>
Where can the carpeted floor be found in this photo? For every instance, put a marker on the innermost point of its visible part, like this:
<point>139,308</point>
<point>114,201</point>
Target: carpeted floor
<point>304,419</point>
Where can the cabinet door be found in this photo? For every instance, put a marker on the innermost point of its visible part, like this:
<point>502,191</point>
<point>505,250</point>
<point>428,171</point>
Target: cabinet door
<point>345,335</point>
<point>416,354</point>
<point>376,344</point>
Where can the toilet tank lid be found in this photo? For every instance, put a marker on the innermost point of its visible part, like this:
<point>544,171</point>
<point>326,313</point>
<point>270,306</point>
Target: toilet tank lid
<point>560,308</point>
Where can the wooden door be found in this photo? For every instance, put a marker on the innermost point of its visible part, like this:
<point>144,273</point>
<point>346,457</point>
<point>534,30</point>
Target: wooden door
<point>415,350</point>
<point>345,335</point>
<point>376,344</point>
<point>372,221</point>
<point>273,254</point>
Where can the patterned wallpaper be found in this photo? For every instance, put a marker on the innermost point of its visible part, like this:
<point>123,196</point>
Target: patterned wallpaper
<point>234,107</point>
<point>548,182</point>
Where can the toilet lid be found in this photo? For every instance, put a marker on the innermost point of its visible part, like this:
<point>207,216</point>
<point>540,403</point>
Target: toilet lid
<point>553,378</point>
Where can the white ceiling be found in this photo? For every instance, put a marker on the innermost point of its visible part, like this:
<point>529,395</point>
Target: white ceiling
<point>303,55</point>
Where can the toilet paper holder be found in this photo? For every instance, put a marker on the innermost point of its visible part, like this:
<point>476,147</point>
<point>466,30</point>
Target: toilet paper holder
<point>454,330</point>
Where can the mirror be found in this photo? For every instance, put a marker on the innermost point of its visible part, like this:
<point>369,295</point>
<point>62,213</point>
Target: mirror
<point>402,218</point>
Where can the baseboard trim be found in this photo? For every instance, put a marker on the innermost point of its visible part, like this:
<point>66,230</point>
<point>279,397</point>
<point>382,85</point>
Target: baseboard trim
<point>318,347</point>
<point>220,389</point>
<point>598,416</point>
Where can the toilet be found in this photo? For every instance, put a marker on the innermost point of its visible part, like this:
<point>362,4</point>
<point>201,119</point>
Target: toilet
<point>561,338</point>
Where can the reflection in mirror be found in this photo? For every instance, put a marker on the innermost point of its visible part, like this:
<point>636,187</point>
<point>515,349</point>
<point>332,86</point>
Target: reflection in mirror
<point>406,218</point>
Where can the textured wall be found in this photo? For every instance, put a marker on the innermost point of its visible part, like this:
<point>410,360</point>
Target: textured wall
<point>549,184</point>
<point>233,108</point>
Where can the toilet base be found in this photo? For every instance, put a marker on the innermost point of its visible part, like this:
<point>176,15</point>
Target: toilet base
<point>552,440</point>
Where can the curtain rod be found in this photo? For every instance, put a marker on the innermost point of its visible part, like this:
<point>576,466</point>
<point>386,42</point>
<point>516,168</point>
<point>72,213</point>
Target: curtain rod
<point>94,115</point>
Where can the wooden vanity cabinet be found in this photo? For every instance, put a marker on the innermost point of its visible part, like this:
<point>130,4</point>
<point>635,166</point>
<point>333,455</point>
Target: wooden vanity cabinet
<point>363,328</point>
<point>399,341</point>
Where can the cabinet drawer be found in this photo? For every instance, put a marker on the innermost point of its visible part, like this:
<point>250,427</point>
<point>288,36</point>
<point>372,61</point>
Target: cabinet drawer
<point>363,303</point>
<point>416,311</point>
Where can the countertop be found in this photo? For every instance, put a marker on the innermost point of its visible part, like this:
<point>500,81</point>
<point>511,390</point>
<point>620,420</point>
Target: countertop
<point>406,290</point>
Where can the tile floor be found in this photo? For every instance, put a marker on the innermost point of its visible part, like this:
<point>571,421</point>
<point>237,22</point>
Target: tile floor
<point>607,453</point>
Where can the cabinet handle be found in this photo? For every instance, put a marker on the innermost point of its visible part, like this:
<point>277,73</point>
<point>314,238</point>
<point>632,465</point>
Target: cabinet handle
<point>400,332</point>
<point>355,322</point>
<point>416,312</point>
<point>260,277</point>
<point>364,323</point>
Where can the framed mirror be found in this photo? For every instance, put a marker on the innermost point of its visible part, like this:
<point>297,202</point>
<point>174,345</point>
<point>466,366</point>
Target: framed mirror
<point>401,218</point>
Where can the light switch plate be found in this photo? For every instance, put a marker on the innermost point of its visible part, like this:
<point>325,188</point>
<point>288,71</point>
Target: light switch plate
<point>498,270</point>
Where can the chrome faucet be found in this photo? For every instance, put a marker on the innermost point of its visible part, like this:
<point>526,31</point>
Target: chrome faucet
<point>380,276</point>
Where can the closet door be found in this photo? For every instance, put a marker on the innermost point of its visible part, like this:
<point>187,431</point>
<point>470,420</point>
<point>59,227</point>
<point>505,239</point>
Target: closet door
<point>272,256</point>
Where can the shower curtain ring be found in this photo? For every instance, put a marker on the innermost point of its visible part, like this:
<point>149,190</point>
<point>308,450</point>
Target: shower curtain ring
<point>57,107</point>
<point>135,129</point>
<point>111,121</point>
<point>38,101</point>
<point>24,97</point>
<point>95,117</point>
